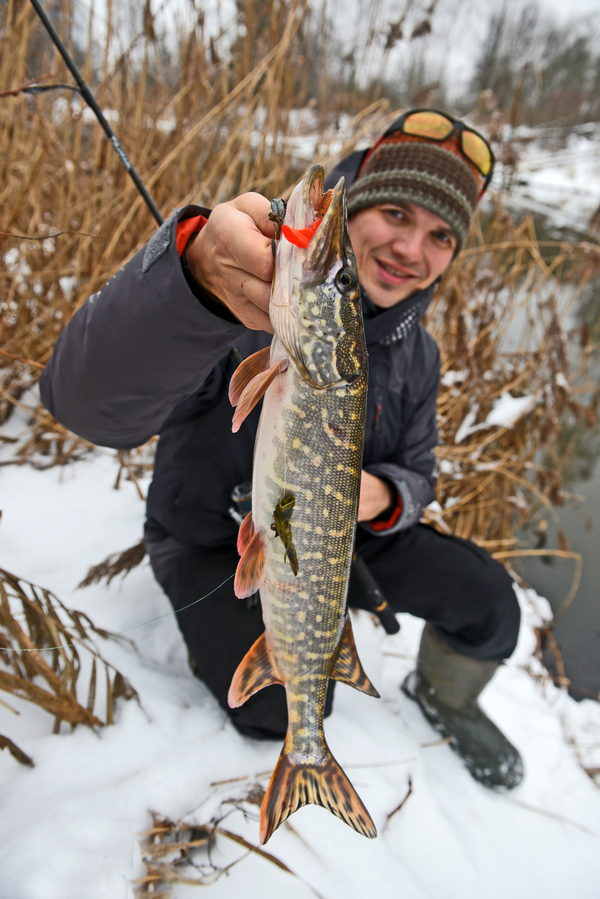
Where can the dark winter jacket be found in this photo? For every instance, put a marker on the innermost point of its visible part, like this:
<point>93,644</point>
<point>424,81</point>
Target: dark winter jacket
<point>150,354</point>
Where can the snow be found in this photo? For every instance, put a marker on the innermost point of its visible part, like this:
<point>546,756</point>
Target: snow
<point>505,413</point>
<point>562,183</point>
<point>71,826</point>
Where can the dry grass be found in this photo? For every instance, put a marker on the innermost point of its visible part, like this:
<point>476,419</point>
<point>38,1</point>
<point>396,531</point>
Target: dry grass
<point>40,643</point>
<point>507,286</point>
<point>186,853</point>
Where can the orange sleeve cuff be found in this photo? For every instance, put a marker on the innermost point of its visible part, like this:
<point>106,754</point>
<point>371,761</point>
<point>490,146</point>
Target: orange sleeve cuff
<point>387,523</point>
<point>186,228</point>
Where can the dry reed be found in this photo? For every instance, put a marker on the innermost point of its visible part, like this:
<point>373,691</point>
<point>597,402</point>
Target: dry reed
<point>40,641</point>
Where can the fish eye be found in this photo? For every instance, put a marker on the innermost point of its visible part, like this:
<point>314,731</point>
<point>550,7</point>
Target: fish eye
<point>346,280</point>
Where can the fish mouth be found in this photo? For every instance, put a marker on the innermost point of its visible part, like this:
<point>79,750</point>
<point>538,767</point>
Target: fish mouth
<point>330,240</point>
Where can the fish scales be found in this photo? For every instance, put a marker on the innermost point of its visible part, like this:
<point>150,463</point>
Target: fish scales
<point>297,544</point>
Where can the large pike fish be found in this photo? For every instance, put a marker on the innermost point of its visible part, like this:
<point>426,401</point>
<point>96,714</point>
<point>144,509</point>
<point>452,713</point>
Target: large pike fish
<point>296,545</point>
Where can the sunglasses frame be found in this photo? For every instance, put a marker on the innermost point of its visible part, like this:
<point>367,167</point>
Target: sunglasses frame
<point>457,125</point>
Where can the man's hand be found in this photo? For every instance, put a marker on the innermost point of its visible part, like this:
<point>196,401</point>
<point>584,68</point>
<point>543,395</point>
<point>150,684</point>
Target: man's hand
<point>375,497</point>
<point>232,258</point>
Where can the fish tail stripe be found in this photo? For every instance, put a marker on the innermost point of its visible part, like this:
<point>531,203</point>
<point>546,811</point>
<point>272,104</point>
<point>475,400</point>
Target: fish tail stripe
<point>246,371</point>
<point>293,786</point>
<point>254,672</point>
<point>348,668</point>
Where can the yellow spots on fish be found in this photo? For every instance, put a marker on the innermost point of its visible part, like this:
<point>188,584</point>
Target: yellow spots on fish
<point>318,530</point>
<point>315,311</point>
<point>297,410</point>
<point>293,716</point>
<point>317,460</point>
<point>315,577</point>
<point>339,496</point>
<point>333,561</point>
<point>321,598</point>
<point>318,618</point>
<point>297,443</point>
<point>309,495</point>
<point>327,490</point>
<point>341,413</point>
<point>301,616</point>
<point>353,416</point>
<point>303,595</point>
<point>340,392</point>
<point>326,513</point>
<point>318,556</point>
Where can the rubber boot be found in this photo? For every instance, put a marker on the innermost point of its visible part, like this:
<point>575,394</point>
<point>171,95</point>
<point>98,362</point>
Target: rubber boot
<point>447,685</point>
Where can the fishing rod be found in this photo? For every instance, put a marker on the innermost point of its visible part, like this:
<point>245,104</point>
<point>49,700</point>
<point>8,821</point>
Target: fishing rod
<point>91,102</point>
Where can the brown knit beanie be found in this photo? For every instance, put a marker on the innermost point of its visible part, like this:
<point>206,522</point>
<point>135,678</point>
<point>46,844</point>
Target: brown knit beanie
<point>407,169</point>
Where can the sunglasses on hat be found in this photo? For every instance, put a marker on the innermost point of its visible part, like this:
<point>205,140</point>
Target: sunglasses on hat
<point>439,126</point>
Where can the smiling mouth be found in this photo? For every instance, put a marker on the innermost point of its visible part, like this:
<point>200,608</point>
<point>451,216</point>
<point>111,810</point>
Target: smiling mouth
<point>396,272</point>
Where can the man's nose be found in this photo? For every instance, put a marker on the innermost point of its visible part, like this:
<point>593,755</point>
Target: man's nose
<point>409,245</point>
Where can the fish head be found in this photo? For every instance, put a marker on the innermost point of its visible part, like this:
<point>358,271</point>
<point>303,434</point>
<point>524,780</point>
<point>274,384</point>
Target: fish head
<point>315,304</point>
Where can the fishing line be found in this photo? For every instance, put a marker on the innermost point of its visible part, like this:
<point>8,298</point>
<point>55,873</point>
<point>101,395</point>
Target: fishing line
<point>127,630</point>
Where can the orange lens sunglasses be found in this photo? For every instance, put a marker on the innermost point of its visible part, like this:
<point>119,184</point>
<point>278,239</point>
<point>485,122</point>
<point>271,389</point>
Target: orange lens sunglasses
<point>439,126</point>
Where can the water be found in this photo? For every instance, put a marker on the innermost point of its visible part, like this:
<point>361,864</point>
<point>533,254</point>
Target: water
<point>576,629</point>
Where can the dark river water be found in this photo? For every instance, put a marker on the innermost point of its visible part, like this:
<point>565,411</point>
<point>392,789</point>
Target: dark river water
<point>576,629</point>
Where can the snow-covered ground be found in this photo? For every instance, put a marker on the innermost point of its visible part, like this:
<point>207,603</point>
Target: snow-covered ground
<point>71,825</point>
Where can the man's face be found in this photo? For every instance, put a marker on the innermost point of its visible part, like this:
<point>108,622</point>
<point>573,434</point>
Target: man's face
<point>399,249</point>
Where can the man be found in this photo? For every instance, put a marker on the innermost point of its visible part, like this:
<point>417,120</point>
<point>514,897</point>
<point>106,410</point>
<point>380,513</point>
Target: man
<point>152,352</point>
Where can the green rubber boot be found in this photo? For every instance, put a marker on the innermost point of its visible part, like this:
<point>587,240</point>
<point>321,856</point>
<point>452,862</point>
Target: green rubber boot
<point>447,685</point>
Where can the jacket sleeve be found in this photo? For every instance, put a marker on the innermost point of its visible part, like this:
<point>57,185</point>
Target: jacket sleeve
<point>412,470</point>
<point>135,349</point>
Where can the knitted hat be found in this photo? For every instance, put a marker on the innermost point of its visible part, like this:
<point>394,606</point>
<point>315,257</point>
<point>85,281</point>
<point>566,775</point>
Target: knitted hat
<point>405,169</point>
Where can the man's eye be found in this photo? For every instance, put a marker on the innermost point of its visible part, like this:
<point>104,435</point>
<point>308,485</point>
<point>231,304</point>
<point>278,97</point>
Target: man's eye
<point>443,238</point>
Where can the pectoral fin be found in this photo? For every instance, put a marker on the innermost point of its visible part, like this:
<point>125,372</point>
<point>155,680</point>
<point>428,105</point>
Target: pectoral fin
<point>254,672</point>
<point>253,391</point>
<point>347,667</point>
<point>250,569</point>
<point>246,371</point>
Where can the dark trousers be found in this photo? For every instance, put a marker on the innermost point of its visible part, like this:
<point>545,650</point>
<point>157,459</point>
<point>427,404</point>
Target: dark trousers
<point>450,582</point>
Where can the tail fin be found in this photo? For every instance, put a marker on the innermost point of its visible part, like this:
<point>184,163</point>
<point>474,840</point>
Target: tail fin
<point>293,786</point>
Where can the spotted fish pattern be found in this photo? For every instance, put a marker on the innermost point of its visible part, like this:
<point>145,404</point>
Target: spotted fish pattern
<point>309,446</point>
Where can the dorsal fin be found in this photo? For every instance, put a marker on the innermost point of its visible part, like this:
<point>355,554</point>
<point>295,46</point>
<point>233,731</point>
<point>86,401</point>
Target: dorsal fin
<point>246,371</point>
<point>347,667</point>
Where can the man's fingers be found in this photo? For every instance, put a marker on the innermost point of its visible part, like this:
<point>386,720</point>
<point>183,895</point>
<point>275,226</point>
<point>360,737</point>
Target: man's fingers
<point>257,208</point>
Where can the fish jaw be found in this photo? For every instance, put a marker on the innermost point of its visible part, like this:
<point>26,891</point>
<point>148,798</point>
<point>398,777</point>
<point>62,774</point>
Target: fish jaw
<point>315,303</point>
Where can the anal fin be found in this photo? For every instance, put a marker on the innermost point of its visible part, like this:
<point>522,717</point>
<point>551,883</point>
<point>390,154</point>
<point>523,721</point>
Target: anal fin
<point>348,668</point>
<point>254,672</point>
<point>246,371</point>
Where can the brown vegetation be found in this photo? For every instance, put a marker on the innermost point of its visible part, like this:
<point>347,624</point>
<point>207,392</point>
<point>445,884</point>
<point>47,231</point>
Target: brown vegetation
<point>40,642</point>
